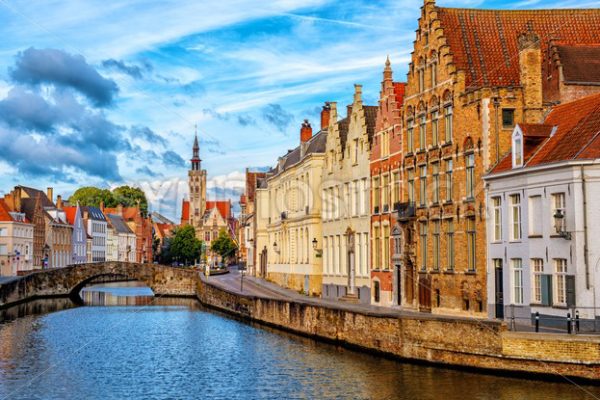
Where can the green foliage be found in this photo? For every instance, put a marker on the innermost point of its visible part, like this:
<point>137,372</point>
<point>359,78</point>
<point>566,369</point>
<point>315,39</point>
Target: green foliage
<point>223,245</point>
<point>129,196</point>
<point>184,246</point>
<point>92,196</point>
<point>125,195</point>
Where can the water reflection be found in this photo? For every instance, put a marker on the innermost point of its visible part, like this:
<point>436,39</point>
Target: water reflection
<point>174,348</point>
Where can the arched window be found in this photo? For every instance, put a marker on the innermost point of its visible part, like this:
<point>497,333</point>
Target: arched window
<point>433,68</point>
<point>448,119</point>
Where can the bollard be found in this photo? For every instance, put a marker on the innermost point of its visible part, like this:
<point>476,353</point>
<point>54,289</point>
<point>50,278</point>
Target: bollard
<point>577,321</point>
<point>569,323</point>
<point>537,321</point>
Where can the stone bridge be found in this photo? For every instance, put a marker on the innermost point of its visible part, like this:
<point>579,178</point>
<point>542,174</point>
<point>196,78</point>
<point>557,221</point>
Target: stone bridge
<point>62,282</point>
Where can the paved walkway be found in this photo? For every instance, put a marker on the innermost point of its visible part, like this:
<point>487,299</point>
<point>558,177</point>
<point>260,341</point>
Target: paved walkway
<point>259,287</point>
<point>6,279</point>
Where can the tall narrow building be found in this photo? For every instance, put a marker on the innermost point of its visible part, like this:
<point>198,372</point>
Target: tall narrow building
<point>197,185</point>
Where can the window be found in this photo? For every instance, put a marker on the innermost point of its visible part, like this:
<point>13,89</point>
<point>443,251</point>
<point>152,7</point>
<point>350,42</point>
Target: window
<point>497,216</point>
<point>449,187</point>
<point>537,268</point>
<point>396,187</point>
<point>448,122</point>
<point>386,246</point>
<point>355,155</point>
<point>411,186</point>
<point>386,192</point>
<point>434,128</point>
<point>365,197</point>
<point>376,291</point>
<point>535,215</point>
<point>515,217</point>
<point>508,118</point>
<point>422,132</point>
<point>436,245</point>
<point>433,74</point>
<point>517,146</point>
<point>3,231</point>
<point>421,73</point>
<point>560,290</point>
<point>410,140</point>
<point>423,247</point>
<point>423,185</point>
<point>470,176</point>
<point>330,161</point>
<point>450,245</point>
<point>436,182</point>
<point>376,195</point>
<point>336,202</point>
<point>3,250</point>
<point>356,206</point>
<point>377,247</point>
<point>471,244</point>
<point>558,212</point>
<point>517,273</point>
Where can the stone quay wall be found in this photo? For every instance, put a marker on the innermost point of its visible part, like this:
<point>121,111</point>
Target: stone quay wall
<point>458,342</point>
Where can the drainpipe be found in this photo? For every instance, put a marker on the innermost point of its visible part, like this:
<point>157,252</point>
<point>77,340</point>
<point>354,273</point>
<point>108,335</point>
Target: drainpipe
<point>496,105</point>
<point>585,231</point>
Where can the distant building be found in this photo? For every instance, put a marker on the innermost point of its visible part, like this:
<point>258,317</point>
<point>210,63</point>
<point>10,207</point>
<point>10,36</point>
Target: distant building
<point>96,226</point>
<point>139,224</point>
<point>121,240</point>
<point>544,218</point>
<point>78,242</point>
<point>16,242</point>
<point>247,221</point>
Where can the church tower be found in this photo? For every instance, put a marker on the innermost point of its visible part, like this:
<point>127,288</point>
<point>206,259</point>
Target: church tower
<point>197,185</point>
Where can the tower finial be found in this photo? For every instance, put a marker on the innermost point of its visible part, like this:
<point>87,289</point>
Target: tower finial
<point>387,71</point>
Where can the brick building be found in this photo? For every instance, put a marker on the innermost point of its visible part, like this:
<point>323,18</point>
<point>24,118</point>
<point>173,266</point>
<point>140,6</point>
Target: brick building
<point>141,225</point>
<point>473,75</point>
<point>247,222</point>
<point>386,193</point>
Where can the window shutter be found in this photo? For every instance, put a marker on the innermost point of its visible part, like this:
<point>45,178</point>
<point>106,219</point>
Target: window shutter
<point>546,290</point>
<point>570,290</point>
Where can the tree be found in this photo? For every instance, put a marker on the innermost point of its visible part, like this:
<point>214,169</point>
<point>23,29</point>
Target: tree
<point>129,196</point>
<point>223,245</point>
<point>92,197</point>
<point>184,246</point>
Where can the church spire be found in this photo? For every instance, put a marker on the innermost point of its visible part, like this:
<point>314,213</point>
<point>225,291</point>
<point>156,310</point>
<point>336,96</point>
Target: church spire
<point>196,151</point>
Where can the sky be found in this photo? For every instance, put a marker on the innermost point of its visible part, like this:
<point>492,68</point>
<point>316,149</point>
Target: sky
<point>110,93</point>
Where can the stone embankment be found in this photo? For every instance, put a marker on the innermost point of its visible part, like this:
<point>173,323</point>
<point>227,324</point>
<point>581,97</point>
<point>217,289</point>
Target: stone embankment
<point>458,342</point>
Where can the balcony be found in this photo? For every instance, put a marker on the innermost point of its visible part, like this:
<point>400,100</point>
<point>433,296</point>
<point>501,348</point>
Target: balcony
<point>405,211</point>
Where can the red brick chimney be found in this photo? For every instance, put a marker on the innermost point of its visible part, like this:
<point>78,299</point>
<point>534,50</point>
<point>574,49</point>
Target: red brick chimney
<point>102,206</point>
<point>325,114</point>
<point>59,203</point>
<point>305,132</point>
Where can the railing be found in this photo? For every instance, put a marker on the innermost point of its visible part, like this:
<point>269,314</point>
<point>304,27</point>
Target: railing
<point>572,322</point>
<point>405,211</point>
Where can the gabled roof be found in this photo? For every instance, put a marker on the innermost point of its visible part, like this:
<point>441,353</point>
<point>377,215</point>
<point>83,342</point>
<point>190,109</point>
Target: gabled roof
<point>316,144</point>
<point>571,131</point>
<point>5,212</point>
<point>94,213</point>
<point>580,62</point>
<point>483,43</point>
<point>118,224</point>
<point>70,212</point>
<point>371,119</point>
<point>223,206</point>
<point>33,193</point>
<point>185,211</point>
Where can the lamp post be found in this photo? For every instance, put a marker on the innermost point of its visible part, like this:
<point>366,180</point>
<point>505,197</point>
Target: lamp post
<point>317,250</point>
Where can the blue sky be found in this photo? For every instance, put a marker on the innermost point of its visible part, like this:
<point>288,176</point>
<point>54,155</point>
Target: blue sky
<point>108,93</point>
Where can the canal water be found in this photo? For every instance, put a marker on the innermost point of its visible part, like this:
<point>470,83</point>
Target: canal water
<point>124,344</point>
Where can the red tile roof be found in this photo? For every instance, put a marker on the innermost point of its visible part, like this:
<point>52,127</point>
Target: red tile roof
<point>581,63</point>
<point>223,206</point>
<point>483,43</point>
<point>185,212</point>
<point>163,230</point>
<point>4,212</point>
<point>576,127</point>
<point>70,212</point>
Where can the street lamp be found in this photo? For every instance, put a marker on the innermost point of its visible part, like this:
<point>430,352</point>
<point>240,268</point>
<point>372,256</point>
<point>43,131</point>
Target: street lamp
<point>315,243</point>
<point>275,248</point>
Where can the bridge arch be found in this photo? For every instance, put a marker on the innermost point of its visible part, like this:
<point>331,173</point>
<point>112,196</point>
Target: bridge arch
<point>163,280</point>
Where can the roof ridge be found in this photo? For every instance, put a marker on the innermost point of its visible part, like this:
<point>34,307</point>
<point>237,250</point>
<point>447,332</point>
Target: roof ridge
<point>593,138</point>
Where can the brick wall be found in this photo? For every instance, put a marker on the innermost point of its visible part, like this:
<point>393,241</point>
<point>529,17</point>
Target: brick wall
<point>444,340</point>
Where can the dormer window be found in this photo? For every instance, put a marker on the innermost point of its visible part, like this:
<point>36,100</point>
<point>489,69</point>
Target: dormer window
<point>517,148</point>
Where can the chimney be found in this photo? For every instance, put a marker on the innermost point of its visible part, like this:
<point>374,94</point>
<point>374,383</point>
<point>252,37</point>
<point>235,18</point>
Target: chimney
<point>102,206</point>
<point>348,110</point>
<point>50,194</point>
<point>305,132</point>
<point>120,209</point>
<point>325,114</point>
<point>530,70</point>
<point>59,203</point>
